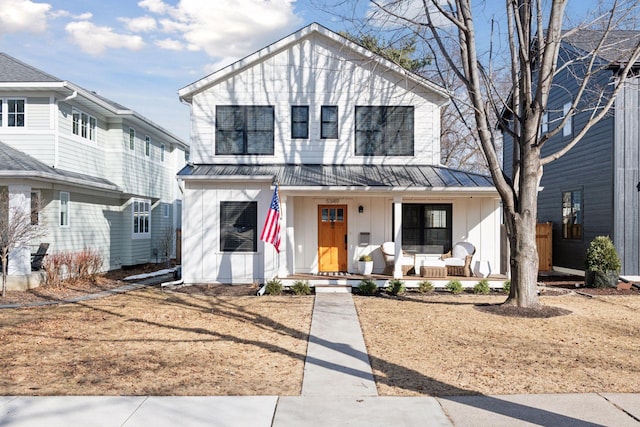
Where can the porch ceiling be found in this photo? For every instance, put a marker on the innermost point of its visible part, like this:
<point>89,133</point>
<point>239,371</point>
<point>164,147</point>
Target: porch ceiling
<point>346,176</point>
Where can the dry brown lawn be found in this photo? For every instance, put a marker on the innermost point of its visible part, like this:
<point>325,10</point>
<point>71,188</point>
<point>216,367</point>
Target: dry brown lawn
<point>443,345</point>
<point>220,340</point>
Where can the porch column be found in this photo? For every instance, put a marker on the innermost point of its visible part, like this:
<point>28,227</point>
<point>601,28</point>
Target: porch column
<point>397,232</point>
<point>285,246</point>
<point>19,203</point>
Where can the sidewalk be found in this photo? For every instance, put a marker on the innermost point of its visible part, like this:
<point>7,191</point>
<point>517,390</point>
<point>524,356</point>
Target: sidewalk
<point>338,389</point>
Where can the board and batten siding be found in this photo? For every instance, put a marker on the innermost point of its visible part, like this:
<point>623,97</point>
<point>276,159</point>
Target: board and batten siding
<point>317,72</point>
<point>626,234</point>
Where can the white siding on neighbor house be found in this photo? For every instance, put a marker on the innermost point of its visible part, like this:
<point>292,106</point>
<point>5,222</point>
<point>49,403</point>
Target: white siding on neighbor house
<point>317,72</point>
<point>203,262</point>
<point>38,115</point>
<point>475,220</point>
<point>94,223</point>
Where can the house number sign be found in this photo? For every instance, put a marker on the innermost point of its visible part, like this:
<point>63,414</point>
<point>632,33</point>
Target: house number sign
<point>333,201</point>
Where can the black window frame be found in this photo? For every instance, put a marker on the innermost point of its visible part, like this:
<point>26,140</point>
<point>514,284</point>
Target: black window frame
<point>236,220</point>
<point>243,128</point>
<point>326,121</point>
<point>381,138</point>
<point>572,217</point>
<point>299,127</point>
<point>412,239</point>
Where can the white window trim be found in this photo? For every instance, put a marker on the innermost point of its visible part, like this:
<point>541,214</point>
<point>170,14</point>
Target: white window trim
<point>162,152</point>
<point>5,112</point>
<point>91,135</point>
<point>68,197</point>
<point>165,210</point>
<point>568,125</point>
<point>132,139</point>
<point>139,234</point>
<point>147,146</point>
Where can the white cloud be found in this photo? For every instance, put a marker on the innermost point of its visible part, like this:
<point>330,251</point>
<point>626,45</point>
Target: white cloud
<point>23,15</point>
<point>66,14</point>
<point>95,40</point>
<point>225,27</point>
<point>170,44</point>
<point>143,24</point>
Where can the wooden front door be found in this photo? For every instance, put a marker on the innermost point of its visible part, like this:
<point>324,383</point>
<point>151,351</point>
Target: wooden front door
<point>332,238</point>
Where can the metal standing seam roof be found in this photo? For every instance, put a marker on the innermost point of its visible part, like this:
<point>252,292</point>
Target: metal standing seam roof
<point>15,163</point>
<point>383,176</point>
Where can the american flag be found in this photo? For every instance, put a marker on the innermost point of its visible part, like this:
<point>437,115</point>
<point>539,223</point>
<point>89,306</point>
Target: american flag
<point>271,230</point>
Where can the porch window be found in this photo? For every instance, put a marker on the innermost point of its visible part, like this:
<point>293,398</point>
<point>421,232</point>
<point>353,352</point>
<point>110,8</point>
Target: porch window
<point>242,129</point>
<point>384,131</point>
<point>238,226</point>
<point>572,215</point>
<point>426,228</point>
<point>329,122</point>
<point>299,122</point>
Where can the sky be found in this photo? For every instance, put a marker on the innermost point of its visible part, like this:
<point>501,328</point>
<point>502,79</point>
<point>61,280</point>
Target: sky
<point>139,53</point>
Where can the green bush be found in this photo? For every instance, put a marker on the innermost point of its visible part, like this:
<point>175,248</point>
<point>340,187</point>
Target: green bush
<point>602,263</point>
<point>455,286</point>
<point>506,286</point>
<point>301,287</point>
<point>482,287</point>
<point>425,287</point>
<point>273,287</point>
<point>395,287</point>
<point>367,287</point>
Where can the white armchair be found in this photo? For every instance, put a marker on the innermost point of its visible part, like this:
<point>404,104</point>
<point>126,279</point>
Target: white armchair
<point>407,260</point>
<point>458,260</point>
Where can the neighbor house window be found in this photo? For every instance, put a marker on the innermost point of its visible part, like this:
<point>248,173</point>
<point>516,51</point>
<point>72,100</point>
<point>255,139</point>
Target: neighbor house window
<point>568,126</point>
<point>384,131</point>
<point>572,215</point>
<point>242,129</point>
<point>15,112</point>
<point>83,125</point>
<point>165,210</point>
<point>426,228</point>
<point>162,152</point>
<point>35,207</point>
<point>132,138</point>
<point>329,122</point>
<point>544,126</point>
<point>299,122</point>
<point>147,145</point>
<point>64,209</point>
<point>141,217</point>
<point>238,226</point>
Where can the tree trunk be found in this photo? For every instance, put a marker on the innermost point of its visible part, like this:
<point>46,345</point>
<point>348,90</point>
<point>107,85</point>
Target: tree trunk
<point>4,275</point>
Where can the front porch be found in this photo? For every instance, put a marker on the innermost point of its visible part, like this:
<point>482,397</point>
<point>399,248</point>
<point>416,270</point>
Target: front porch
<point>336,282</point>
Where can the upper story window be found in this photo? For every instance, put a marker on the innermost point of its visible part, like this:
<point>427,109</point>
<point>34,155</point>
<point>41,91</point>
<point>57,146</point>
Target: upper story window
<point>162,148</point>
<point>329,122</point>
<point>299,121</point>
<point>64,209</point>
<point>544,126</point>
<point>12,112</point>
<point>384,131</point>
<point>141,217</point>
<point>568,126</point>
<point>572,215</point>
<point>84,125</point>
<point>132,139</point>
<point>147,145</point>
<point>244,129</point>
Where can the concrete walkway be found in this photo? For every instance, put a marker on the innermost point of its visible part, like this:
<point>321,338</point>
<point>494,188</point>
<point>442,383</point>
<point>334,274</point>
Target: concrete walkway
<point>338,390</point>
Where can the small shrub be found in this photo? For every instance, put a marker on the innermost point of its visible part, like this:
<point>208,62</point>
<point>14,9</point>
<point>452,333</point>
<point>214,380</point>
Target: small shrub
<point>455,286</point>
<point>367,287</point>
<point>602,263</point>
<point>482,287</point>
<point>506,286</point>
<point>273,287</point>
<point>425,287</point>
<point>395,287</point>
<point>365,258</point>
<point>301,287</point>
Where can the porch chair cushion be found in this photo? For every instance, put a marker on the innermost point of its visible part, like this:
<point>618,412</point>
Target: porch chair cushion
<point>458,260</point>
<point>407,260</point>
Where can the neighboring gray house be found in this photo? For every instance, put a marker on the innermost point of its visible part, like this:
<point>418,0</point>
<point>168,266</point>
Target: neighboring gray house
<point>592,190</point>
<point>103,174</point>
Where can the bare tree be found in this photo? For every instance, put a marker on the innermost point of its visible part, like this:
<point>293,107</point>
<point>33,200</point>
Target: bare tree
<point>534,35</point>
<point>17,229</point>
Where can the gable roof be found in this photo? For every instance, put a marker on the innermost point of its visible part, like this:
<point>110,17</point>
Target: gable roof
<point>17,164</point>
<point>616,48</point>
<point>187,92</point>
<point>17,75</point>
<point>347,177</point>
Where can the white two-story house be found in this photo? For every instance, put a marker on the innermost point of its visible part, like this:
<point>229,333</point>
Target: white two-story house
<point>96,174</point>
<point>351,140</point>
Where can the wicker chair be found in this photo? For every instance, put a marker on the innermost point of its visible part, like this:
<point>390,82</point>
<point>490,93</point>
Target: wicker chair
<point>407,261</point>
<point>458,259</point>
